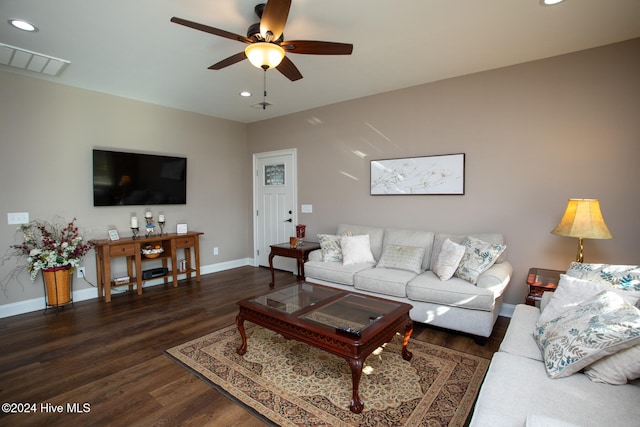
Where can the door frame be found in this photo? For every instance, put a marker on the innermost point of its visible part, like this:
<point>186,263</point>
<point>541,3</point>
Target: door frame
<point>293,152</point>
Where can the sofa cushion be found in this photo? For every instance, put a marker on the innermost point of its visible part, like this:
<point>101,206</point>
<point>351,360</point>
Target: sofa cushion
<point>448,260</point>
<point>417,238</point>
<point>572,291</point>
<point>439,239</point>
<point>386,281</point>
<point>600,326</point>
<point>376,234</point>
<point>330,247</point>
<point>356,250</point>
<point>478,257</point>
<point>402,257</point>
<point>626,277</point>
<point>455,292</point>
<point>518,339</point>
<point>334,272</point>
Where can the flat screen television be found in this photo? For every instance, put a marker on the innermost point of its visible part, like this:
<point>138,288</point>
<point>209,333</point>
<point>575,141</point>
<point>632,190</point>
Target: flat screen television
<point>121,178</point>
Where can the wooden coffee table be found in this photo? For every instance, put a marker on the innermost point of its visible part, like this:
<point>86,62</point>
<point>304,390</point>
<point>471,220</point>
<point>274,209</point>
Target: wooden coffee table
<point>349,325</point>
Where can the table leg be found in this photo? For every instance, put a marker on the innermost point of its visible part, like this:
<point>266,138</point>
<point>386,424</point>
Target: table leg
<point>273,277</point>
<point>242,349</point>
<point>356,405</point>
<point>406,354</point>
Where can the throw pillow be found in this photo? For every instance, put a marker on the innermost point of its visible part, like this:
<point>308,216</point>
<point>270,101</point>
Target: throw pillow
<point>402,258</point>
<point>477,259</point>
<point>330,247</point>
<point>356,250</point>
<point>626,277</point>
<point>600,326</point>
<point>448,259</point>
<point>572,291</point>
<point>619,368</point>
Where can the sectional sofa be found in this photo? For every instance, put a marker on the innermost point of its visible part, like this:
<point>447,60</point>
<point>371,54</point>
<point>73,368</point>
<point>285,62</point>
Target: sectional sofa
<point>575,361</point>
<point>400,267</point>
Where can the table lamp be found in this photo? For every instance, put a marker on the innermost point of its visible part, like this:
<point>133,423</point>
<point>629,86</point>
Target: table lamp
<point>582,219</point>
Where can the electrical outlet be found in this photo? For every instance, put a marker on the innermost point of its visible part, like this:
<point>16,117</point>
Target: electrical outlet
<point>215,251</point>
<point>80,272</point>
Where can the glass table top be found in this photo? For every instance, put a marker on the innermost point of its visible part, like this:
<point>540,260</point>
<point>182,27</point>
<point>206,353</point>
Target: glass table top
<point>294,298</point>
<point>351,311</point>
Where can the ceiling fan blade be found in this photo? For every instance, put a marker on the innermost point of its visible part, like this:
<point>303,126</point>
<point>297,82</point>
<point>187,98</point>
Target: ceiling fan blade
<point>274,18</point>
<point>312,47</point>
<point>289,70</point>
<point>229,61</point>
<point>211,30</point>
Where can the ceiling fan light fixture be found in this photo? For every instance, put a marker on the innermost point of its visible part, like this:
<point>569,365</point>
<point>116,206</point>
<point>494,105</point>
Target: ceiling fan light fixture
<point>264,55</point>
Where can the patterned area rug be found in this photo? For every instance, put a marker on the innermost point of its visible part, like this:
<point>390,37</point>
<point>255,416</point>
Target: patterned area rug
<point>293,384</point>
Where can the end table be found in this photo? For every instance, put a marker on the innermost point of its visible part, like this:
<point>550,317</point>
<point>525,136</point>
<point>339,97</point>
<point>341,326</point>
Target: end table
<point>541,280</point>
<point>300,253</point>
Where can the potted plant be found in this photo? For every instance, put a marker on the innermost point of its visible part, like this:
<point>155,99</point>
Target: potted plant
<point>54,248</point>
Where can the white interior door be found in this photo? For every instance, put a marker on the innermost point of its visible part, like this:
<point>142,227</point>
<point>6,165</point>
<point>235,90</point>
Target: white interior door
<point>274,204</point>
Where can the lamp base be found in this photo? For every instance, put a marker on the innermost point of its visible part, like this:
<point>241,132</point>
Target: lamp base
<point>580,255</point>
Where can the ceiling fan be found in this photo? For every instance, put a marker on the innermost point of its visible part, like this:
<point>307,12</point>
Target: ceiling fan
<point>266,46</point>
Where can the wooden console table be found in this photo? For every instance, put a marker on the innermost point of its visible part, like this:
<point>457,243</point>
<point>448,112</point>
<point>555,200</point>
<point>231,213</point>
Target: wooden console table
<point>132,249</point>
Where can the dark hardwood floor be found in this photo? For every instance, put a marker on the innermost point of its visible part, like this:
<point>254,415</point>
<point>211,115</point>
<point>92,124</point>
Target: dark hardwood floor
<point>111,356</point>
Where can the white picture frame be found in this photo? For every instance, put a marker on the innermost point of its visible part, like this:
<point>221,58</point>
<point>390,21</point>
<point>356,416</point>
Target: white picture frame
<point>181,228</point>
<point>113,234</point>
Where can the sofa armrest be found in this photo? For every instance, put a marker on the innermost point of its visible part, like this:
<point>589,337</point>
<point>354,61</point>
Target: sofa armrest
<point>496,278</point>
<point>315,255</point>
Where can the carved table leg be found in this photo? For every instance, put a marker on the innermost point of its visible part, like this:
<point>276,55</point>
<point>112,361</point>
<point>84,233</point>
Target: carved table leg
<point>242,349</point>
<point>273,277</point>
<point>356,405</point>
<point>406,354</point>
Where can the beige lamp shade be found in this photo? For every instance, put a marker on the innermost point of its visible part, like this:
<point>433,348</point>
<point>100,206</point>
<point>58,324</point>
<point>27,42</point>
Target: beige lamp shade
<point>582,219</point>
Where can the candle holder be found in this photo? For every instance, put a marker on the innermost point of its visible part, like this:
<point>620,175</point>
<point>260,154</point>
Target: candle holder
<point>135,230</point>
<point>161,224</point>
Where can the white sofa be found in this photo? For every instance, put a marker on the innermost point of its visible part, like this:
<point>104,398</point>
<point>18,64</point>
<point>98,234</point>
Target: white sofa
<point>454,304</point>
<point>518,391</point>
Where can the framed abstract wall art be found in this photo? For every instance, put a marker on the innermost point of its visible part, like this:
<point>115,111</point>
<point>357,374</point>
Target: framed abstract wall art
<point>434,175</point>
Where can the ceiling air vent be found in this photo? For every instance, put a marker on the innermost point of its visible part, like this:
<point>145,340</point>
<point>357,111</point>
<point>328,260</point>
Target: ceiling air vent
<point>31,61</point>
<point>262,105</point>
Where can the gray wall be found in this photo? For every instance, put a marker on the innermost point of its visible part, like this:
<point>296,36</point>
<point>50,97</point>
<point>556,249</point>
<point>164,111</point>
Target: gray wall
<point>534,135</point>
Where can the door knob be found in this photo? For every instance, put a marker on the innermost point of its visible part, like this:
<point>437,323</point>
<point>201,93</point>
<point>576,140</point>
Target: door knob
<point>288,220</point>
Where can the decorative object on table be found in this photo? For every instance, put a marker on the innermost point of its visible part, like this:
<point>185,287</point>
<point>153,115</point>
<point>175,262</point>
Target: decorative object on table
<point>152,251</point>
<point>113,234</point>
<point>134,227</point>
<point>443,175</point>
<point>161,222</point>
<point>293,242</point>
<point>181,228</point>
<point>54,248</point>
<point>582,219</point>
<point>301,231</point>
<point>149,228</point>
<point>307,382</point>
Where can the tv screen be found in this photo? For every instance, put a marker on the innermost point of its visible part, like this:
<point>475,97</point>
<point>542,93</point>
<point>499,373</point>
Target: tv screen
<point>121,178</point>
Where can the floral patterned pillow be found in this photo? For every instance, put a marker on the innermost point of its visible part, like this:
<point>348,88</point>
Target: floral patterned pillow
<point>626,277</point>
<point>602,325</point>
<point>477,259</point>
<point>330,246</point>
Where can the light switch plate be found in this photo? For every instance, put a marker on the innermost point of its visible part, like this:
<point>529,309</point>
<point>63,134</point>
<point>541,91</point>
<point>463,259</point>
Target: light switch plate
<point>18,218</point>
<point>306,208</point>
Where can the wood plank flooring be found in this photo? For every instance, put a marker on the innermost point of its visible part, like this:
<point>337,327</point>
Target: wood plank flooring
<point>110,356</point>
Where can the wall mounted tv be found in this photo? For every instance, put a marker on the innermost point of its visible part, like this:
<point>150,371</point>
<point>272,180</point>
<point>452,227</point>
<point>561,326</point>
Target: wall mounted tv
<point>121,178</point>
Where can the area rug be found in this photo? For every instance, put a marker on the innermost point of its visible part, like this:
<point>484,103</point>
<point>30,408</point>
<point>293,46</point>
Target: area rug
<point>290,383</point>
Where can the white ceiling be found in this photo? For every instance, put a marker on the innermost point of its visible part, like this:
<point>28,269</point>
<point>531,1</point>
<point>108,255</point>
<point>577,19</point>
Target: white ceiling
<point>129,48</point>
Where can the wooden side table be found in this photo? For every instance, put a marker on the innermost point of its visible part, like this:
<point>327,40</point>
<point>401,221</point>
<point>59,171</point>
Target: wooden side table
<point>300,253</point>
<point>541,280</point>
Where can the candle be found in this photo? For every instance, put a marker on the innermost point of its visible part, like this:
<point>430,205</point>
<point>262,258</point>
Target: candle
<point>134,222</point>
<point>160,218</point>
<point>148,214</point>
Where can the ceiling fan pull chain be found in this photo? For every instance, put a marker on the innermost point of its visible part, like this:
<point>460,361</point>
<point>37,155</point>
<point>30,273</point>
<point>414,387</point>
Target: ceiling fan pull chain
<point>264,95</point>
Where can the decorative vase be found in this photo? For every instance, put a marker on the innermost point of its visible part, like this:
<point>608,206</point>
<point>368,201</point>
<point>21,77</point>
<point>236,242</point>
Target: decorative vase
<point>57,282</point>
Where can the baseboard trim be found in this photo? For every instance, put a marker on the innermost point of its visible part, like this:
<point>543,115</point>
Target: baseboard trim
<point>37,304</point>
<point>507,310</point>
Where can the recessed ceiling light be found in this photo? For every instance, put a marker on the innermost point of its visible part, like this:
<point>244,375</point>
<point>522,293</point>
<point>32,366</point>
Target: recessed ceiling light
<point>23,25</point>
<point>245,93</point>
<point>550,2</point>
